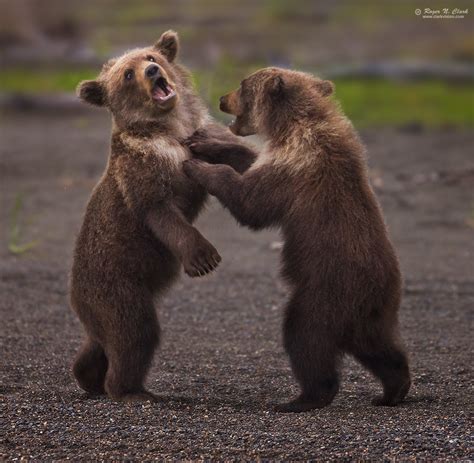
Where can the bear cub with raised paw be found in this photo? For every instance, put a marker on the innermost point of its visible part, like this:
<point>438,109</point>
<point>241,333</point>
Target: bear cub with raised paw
<point>137,231</point>
<point>311,180</point>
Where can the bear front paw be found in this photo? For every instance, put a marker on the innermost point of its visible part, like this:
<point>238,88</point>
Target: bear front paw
<point>192,167</point>
<point>200,135</point>
<point>201,149</point>
<point>203,260</point>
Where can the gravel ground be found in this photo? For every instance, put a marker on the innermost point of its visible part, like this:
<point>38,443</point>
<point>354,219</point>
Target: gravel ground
<point>221,365</point>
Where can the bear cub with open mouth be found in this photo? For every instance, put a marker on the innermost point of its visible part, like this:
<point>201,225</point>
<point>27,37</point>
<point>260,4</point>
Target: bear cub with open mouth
<point>137,231</point>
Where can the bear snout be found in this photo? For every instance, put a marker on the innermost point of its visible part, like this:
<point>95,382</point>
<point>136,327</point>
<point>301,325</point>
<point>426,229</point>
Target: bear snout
<point>223,104</point>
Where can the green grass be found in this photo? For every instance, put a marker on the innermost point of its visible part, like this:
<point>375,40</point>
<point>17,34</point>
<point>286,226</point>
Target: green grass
<point>43,80</point>
<point>368,102</point>
<point>14,243</point>
<point>431,103</point>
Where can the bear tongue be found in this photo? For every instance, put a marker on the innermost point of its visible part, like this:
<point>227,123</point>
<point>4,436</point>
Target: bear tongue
<point>159,93</point>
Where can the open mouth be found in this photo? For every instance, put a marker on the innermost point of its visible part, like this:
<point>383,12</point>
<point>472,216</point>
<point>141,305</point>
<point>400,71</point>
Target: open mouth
<point>162,91</point>
<point>233,127</point>
<point>233,124</point>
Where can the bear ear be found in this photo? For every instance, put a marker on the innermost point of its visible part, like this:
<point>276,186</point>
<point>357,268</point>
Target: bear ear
<point>325,87</point>
<point>92,92</point>
<point>168,45</point>
<point>276,86</point>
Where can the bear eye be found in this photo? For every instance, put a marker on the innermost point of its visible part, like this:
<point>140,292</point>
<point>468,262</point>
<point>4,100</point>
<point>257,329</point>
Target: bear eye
<point>129,74</point>
<point>151,58</point>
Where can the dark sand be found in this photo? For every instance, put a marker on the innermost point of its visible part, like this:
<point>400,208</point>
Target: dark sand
<point>221,366</point>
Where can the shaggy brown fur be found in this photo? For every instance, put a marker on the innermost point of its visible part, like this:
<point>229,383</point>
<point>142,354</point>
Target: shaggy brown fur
<point>137,227</point>
<point>311,181</point>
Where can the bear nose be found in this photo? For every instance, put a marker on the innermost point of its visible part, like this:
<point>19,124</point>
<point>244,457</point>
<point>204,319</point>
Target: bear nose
<point>151,71</point>
<point>223,104</point>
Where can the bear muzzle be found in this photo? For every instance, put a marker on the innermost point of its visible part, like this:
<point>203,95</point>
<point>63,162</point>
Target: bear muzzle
<point>161,89</point>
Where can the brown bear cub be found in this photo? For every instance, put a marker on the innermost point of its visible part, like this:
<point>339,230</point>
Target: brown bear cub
<point>137,229</point>
<point>311,181</point>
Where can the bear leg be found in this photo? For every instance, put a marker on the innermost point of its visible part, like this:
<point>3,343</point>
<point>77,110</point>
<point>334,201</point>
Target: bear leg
<point>382,356</point>
<point>130,353</point>
<point>90,367</point>
<point>314,359</point>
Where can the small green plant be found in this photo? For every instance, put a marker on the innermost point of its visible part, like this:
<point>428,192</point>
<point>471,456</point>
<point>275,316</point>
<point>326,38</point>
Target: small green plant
<point>470,218</point>
<point>14,245</point>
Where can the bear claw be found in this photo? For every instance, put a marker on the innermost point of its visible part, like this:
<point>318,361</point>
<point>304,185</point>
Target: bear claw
<point>203,265</point>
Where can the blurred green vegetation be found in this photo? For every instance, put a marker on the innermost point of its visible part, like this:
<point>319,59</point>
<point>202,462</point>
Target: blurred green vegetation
<point>368,102</point>
<point>43,80</point>
<point>434,103</point>
<point>15,246</point>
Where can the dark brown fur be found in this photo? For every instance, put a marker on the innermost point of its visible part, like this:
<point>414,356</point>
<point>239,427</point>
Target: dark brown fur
<point>137,229</point>
<point>311,180</point>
